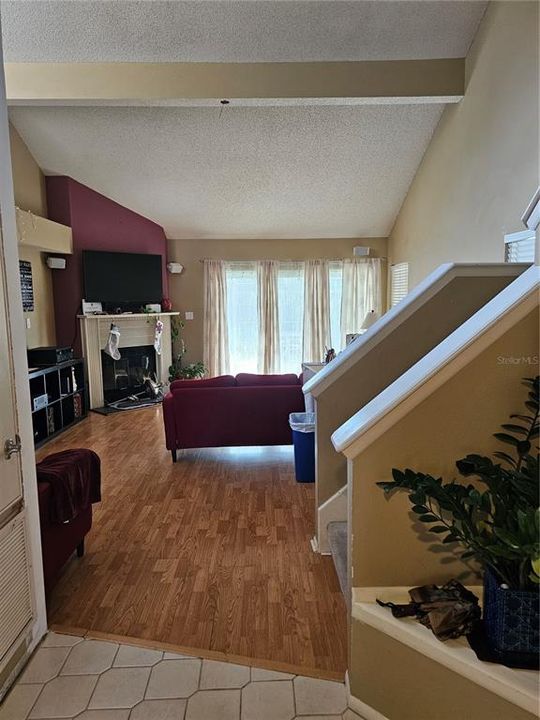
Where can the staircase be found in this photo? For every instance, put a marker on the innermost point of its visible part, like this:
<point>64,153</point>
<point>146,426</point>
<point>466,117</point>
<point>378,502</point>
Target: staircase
<point>445,405</point>
<point>338,540</point>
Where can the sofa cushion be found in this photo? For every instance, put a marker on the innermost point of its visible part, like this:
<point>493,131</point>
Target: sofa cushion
<point>250,379</point>
<point>221,381</point>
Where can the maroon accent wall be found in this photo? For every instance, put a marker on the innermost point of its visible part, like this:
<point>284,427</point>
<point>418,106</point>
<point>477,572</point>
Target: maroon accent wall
<point>97,223</point>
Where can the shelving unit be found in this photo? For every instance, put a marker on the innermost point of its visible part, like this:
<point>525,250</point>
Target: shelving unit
<point>64,395</point>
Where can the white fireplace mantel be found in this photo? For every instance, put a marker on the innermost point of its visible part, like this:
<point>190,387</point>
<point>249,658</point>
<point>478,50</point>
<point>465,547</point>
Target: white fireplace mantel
<point>135,329</point>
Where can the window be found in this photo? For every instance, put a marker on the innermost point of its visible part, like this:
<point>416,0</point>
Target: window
<point>336,287</point>
<point>291,316</point>
<point>399,282</point>
<point>243,321</point>
<point>242,317</point>
<point>519,247</point>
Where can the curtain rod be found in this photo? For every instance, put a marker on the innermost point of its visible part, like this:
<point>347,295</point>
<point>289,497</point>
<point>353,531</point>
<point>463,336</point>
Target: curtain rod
<point>291,260</point>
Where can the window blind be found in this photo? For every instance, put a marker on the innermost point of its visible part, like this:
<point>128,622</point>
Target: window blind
<point>519,247</point>
<point>399,282</point>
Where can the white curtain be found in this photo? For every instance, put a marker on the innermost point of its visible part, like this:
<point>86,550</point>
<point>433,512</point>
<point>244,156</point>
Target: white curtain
<point>216,337</point>
<point>268,313</point>
<point>316,310</point>
<point>361,292</point>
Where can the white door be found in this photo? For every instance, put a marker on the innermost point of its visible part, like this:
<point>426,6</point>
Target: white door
<point>10,456</point>
<point>23,617</point>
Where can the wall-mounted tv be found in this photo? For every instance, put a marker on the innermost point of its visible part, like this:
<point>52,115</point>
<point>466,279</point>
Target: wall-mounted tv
<point>122,278</point>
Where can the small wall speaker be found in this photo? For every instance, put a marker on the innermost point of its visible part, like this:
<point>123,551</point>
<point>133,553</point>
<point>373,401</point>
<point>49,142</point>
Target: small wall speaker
<point>174,268</point>
<point>56,263</point>
<point>360,251</point>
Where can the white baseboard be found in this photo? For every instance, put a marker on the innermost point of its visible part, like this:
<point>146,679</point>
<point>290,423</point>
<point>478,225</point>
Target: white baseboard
<point>333,510</point>
<point>365,711</point>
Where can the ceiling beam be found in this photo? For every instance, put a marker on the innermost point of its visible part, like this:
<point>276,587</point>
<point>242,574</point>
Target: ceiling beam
<point>193,84</point>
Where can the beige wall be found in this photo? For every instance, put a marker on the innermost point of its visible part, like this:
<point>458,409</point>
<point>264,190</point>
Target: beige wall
<point>29,188</point>
<point>186,290</point>
<point>433,321</point>
<point>390,548</point>
<point>481,168</point>
<point>403,684</point>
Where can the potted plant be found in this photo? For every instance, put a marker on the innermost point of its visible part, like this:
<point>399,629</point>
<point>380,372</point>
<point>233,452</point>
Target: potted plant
<point>496,521</point>
<point>179,371</point>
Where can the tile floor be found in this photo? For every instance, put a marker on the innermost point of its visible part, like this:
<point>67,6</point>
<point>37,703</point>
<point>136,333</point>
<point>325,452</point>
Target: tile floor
<point>73,677</point>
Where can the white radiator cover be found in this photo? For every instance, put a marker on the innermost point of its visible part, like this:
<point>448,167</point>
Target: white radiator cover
<point>16,609</point>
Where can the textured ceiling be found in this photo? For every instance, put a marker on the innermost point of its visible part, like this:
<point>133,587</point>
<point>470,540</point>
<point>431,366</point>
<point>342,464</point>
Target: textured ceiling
<point>249,173</point>
<point>225,31</point>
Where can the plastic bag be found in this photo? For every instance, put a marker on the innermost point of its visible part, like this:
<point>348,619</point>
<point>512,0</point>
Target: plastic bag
<point>302,422</point>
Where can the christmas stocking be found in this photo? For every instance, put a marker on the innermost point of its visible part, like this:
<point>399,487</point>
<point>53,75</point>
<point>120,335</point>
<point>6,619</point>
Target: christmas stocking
<point>157,336</point>
<point>111,348</point>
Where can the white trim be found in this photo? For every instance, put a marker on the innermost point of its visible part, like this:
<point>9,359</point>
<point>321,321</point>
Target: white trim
<point>20,370</point>
<point>518,687</point>
<point>386,324</point>
<point>531,216</point>
<point>441,363</point>
<point>360,707</point>
<point>332,510</point>
<point>365,711</point>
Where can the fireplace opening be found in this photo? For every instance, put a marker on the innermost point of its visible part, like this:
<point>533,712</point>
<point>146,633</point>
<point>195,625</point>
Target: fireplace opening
<point>125,377</point>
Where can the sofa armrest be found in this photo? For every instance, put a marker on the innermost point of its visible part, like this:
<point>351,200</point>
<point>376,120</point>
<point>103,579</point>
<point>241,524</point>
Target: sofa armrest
<point>169,421</point>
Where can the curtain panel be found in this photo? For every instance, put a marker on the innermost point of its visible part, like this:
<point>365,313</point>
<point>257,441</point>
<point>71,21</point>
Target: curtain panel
<point>361,292</point>
<point>268,314</point>
<point>216,336</point>
<point>316,310</point>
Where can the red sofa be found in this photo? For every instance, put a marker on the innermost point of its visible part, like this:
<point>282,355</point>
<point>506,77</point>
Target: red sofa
<point>231,411</point>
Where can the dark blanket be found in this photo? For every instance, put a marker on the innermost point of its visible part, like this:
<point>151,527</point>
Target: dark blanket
<point>75,479</point>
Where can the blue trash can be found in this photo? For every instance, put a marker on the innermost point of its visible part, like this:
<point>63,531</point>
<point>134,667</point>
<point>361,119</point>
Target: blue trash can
<point>303,431</point>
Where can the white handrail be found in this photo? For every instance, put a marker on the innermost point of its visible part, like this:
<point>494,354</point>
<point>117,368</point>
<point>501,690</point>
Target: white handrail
<point>418,296</point>
<point>466,342</point>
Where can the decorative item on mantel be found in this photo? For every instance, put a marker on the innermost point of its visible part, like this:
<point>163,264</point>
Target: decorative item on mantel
<point>499,527</point>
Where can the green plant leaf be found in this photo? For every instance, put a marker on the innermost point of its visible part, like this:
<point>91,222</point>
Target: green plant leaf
<point>504,437</point>
<point>507,538</point>
<point>428,518</point>
<point>505,456</point>
<point>439,529</point>
<point>516,428</point>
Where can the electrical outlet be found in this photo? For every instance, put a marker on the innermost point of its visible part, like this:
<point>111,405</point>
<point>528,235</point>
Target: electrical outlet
<point>189,315</point>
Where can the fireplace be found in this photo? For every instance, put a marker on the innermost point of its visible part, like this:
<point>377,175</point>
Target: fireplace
<point>125,377</point>
<point>107,379</point>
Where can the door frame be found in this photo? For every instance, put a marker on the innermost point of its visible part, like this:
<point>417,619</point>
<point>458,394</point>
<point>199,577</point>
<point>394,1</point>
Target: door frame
<point>17,349</point>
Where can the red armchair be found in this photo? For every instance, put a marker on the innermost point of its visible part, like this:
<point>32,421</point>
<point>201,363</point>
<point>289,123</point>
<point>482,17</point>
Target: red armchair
<point>68,483</point>
<point>228,411</point>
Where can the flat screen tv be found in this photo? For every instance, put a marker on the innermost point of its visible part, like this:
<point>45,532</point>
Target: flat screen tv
<point>122,278</point>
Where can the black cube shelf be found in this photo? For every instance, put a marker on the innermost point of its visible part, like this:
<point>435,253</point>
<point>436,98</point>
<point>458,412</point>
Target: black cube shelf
<point>59,398</point>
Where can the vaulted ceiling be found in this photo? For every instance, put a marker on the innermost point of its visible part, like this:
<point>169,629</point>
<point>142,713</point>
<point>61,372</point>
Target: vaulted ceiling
<point>310,170</point>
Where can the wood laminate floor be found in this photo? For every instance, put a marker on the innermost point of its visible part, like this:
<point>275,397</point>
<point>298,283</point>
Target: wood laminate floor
<point>210,553</point>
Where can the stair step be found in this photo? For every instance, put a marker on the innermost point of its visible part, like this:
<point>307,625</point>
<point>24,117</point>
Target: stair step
<point>337,539</point>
